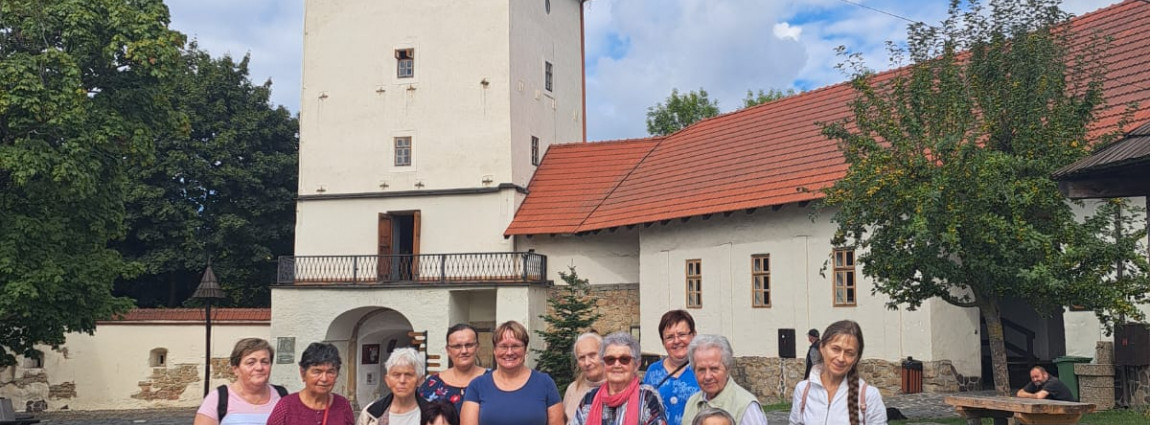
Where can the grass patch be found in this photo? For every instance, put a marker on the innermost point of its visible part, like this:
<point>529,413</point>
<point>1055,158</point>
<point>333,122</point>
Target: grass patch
<point>777,407</point>
<point>1109,417</point>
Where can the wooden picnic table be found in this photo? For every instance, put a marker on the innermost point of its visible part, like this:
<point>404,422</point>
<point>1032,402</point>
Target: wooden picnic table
<point>1025,410</point>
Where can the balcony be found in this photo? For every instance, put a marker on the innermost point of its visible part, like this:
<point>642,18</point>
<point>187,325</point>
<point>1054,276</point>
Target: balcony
<point>408,270</point>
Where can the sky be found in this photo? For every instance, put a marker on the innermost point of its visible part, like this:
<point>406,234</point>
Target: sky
<point>637,50</point>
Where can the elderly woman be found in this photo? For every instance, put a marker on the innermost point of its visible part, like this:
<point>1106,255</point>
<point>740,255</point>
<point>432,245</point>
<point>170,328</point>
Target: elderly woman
<point>673,376</point>
<point>586,352</point>
<point>316,404</point>
<point>513,394</point>
<point>462,347</point>
<point>621,400</point>
<point>712,358</point>
<point>821,400</point>
<point>713,416</point>
<point>250,399</point>
<point>402,407</point>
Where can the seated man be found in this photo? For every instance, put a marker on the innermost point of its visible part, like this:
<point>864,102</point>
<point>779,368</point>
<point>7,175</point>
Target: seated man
<point>1042,385</point>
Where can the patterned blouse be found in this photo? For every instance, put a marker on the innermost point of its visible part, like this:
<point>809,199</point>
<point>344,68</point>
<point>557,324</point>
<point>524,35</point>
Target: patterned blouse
<point>433,388</point>
<point>674,391</point>
<point>650,410</point>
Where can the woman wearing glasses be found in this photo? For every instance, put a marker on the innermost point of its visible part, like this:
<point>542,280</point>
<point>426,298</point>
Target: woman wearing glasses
<point>451,384</point>
<point>512,394</point>
<point>673,376</point>
<point>316,404</point>
<point>621,400</point>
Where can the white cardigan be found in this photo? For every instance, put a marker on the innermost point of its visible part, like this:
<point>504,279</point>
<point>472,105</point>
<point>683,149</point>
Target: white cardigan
<point>817,411</point>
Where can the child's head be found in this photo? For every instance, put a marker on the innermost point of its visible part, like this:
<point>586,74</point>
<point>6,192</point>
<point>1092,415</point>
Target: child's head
<point>440,412</point>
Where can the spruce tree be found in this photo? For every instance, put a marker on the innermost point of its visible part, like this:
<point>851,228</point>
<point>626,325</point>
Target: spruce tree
<point>572,311</point>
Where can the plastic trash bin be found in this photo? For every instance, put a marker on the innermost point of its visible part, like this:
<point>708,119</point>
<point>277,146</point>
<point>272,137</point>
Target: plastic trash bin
<point>1066,374</point>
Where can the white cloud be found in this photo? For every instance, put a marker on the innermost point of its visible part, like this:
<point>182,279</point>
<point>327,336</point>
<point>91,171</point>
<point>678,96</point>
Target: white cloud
<point>784,30</point>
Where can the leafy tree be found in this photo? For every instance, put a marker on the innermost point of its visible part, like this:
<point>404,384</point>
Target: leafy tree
<point>572,313</point>
<point>680,111</point>
<point>224,189</point>
<point>948,191</point>
<point>762,97</point>
<point>81,98</point>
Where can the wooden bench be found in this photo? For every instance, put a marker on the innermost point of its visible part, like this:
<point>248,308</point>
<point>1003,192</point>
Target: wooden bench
<point>1025,410</point>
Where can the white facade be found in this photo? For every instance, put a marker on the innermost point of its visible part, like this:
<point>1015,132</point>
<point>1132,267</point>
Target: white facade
<point>117,367</point>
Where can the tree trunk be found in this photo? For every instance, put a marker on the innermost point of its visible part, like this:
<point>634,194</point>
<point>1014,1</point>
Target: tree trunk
<point>993,318</point>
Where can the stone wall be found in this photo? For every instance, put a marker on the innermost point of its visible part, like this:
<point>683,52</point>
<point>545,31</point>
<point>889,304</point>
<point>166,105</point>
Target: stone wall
<point>1140,396</point>
<point>773,379</point>
<point>617,304</point>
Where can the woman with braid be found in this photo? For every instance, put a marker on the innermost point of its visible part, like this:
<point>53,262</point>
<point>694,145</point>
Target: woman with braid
<point>835,394</point>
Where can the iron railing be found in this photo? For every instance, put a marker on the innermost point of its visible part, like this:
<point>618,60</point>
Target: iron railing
<point>486,267</point>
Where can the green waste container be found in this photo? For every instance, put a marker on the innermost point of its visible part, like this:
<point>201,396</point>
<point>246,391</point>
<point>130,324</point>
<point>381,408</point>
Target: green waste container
<point>1066,371</point>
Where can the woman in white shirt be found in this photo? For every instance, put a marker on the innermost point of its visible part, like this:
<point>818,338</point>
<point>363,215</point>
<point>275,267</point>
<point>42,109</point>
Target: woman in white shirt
<point>821,399</point>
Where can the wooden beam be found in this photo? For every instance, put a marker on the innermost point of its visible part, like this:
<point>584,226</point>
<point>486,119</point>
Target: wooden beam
<point>1106,187</point>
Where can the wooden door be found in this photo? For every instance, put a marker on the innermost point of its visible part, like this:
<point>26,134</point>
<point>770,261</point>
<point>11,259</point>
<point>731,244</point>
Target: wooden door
<point>383,259</point>
<point>415,275</point>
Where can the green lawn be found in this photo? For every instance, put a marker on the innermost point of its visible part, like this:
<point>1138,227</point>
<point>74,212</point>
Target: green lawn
<point>1109,417</point>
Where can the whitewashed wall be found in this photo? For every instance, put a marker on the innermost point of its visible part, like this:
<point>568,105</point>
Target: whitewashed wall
<point>603,259</point>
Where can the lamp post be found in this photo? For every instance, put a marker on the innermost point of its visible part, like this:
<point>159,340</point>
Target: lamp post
<point>208,290</point>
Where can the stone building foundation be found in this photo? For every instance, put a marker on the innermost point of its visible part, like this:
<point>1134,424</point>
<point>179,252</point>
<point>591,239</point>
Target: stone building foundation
<point>773,379</point>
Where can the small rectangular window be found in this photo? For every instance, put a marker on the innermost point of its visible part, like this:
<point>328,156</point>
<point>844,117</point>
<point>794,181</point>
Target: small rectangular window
<point>403,151</point>
<point>694,283</point>
<point>547,79</point>
<point>405,63</point>
<point>534,150</point>
<point>760,281</point>
<point>845,288</point>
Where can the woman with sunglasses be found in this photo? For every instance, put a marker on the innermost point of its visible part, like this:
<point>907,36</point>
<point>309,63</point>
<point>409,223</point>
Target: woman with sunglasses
<point>621,400</point>
<point>512,394</point>
<point>451,384</point>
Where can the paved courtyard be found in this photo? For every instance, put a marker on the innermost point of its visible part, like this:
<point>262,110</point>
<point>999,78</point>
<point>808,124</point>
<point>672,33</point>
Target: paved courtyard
<point>918,407</point>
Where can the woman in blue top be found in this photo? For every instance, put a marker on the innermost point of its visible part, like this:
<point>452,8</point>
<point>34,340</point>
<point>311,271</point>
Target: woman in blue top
<point>673,376</point>
<point>512,394</point>
<point>463,350</point>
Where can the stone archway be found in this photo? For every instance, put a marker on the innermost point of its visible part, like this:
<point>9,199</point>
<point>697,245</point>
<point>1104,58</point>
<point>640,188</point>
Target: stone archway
<point>366,336</point>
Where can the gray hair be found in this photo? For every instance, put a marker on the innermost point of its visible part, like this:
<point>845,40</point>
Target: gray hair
<point>620,338</point>
<point>712,341</point>
<point>584,336</point>
<point>407,356</point>
<point>712,412</point>
<point>320,353</point>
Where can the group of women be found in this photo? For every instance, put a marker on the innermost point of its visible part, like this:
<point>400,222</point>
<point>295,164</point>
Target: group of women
<point>608,392</point>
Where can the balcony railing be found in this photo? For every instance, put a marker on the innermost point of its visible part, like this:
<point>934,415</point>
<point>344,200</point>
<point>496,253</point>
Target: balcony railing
<point>492,267</point>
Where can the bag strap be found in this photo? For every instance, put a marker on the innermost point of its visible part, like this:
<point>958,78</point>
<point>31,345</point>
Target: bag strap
<point>222,404</point>
<point>670,375</point>
<point>283,391</point>
<point>862,401</point>
<point>803,406</point>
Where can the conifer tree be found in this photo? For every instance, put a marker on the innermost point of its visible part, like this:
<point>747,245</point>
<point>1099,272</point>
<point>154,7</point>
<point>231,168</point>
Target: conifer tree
<point>571,313</point>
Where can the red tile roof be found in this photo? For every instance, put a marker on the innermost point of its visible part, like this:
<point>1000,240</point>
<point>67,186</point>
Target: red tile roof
<point>771,154</point>
<point>193,315</point>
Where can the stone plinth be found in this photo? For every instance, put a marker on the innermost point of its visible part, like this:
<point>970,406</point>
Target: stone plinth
<point>1096,384</point>
<point>773,379</point>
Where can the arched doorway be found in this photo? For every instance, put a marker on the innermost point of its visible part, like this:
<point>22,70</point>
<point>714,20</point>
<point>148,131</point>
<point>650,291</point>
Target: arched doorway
<point>366,336</point>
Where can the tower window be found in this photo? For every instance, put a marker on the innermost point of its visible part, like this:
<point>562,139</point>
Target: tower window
<point>534,150</point>
<point>405,63</point>
<point>403,151</point>
<point>547,75</point>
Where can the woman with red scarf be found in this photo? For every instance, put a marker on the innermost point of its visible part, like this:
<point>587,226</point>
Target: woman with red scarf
<point>621,400</point>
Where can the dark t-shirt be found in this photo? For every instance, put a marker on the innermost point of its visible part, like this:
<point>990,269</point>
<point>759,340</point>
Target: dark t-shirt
<point>1055,388</point>
<point>524,406</point>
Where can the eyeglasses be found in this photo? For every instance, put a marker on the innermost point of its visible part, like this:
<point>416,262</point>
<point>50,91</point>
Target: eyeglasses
<point>623,360</point>
<point>460,347</point>
<point>673,337</point>
<point>510,347</point>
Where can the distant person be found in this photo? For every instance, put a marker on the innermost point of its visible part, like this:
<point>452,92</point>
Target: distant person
<point>316,404</point>
<point>440,412</point>
<point>1042,385</point>
<point>821,399</point>
<point>713,416</point>
<point>673,376</point>
<point>405,368</point>
<point>621,400</point>
<point>250,399</point>
<point>463,351</point>
<point>813,352</point>
<point>586,352</point>
<point>713,360</point>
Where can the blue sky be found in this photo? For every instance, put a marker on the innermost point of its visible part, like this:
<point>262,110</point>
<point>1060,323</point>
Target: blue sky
<point>637,50</point>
